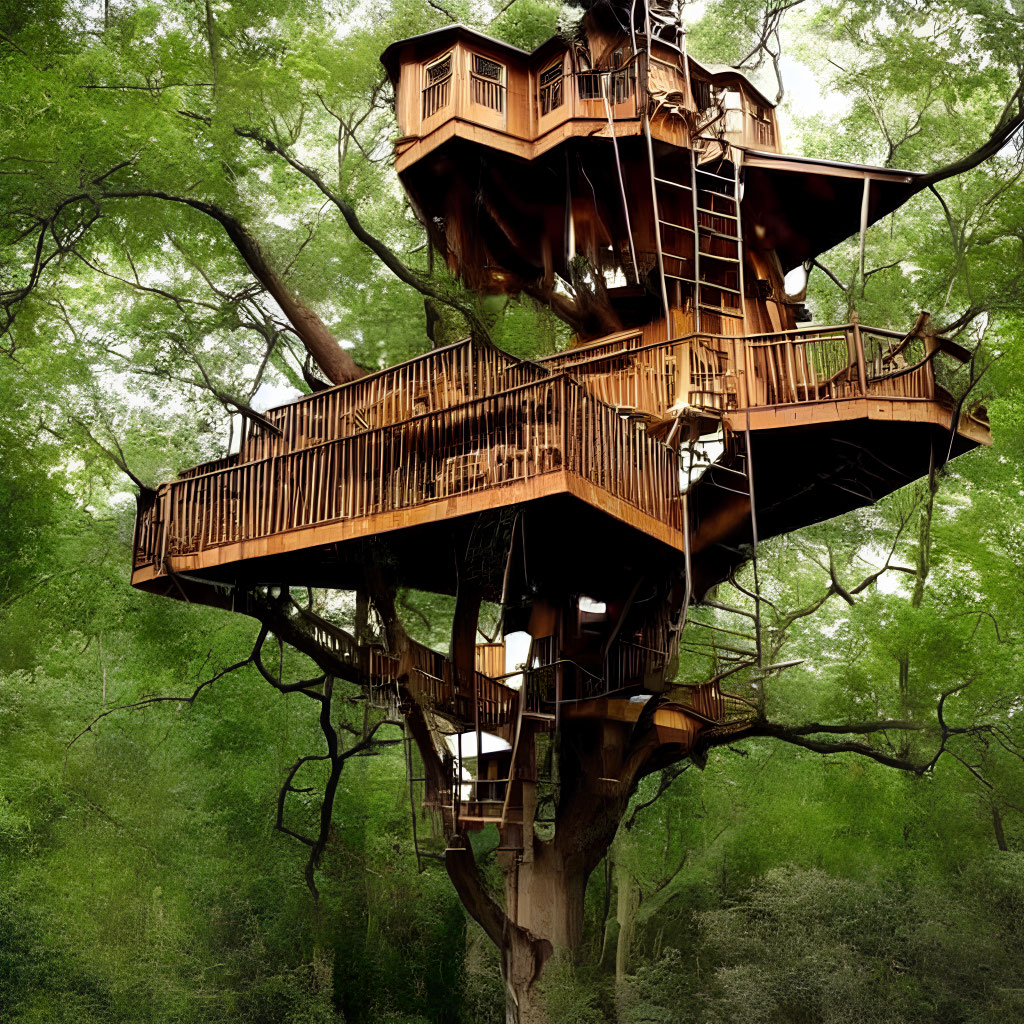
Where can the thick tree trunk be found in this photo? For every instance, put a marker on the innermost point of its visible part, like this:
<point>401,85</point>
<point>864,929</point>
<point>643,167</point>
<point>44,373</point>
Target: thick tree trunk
<point>544,898</point>
<point>545,890</point>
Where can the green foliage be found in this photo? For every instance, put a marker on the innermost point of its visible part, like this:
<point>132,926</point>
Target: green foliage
<point>141,878</point>
<point>568,997</point>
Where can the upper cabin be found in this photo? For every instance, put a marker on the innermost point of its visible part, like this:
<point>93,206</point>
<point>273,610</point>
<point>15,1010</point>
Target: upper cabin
<point>533,173</point>
<point>455,81</point>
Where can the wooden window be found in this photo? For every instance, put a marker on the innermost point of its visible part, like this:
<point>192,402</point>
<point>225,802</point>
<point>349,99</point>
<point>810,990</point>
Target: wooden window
<point>764,130</point>
<point>622,81</point>
<point>440,69</point>
<point>701,93</point>
<point>551,94</point>
<point>438,88</point>
<point>622,86</point>
<point>588,85</point>
<point>487,68</point>
<point>488,78</point>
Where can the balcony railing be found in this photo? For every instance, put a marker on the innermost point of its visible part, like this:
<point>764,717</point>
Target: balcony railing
<point>795,367</point>
<point>437,380</point>
<point>521,433</point>
<point>467,419</point>
<point>487,93</point>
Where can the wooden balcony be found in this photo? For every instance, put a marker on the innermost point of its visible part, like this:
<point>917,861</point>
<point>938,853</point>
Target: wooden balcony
<point>527,441</point>
<point>465,429</point>
<point>808,375</point>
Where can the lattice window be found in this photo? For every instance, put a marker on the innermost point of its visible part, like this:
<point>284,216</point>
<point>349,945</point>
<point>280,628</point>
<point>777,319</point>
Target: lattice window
<point>487,68</point>
<point>439,70</point>
<point>438,89</point>
<point>488,87</point>
<point>551,93</point>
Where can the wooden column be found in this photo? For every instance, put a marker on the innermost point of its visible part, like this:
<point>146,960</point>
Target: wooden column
<point>858,351</point>
<point>864,203</point>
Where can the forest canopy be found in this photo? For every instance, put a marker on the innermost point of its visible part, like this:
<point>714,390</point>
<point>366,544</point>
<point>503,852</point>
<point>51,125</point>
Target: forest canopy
<point>200,218</point>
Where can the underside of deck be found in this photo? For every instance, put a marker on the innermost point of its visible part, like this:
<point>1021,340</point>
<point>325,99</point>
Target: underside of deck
<point>560,519</point>
<point>810,464</point>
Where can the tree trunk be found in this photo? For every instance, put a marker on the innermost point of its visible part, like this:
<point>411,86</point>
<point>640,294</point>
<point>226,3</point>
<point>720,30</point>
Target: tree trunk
<point>997,825</point>
<point>544,899</point>
<point>336,362</point>
<point>546,886</point>
<point>627,903</point>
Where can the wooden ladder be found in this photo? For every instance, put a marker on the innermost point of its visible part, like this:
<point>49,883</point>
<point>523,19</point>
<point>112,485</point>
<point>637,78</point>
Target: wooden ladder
<point>707,254</point>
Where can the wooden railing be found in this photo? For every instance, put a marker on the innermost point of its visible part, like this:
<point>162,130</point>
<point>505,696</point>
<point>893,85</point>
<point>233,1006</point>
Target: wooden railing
<point>208,467</point>
<point>523,432</point>
<point>794,368</point>
<point>622,342</point>
<point>440,379</point>
<point>657,377</point>
<point>487,92</point>
<point>895,367</point>
<point>436,97</point>
<point>621,457</point>
<point>725,373</point>
<point>148,538</point>
<point>429,677</point>
<point>463,420</point>
<point>822,364</point>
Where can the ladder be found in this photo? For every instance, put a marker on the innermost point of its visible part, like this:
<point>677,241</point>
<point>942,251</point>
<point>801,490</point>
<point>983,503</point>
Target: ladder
<point>706,254</point>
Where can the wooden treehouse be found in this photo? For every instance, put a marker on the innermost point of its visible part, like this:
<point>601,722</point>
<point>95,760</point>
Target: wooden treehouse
<point>595,492</point>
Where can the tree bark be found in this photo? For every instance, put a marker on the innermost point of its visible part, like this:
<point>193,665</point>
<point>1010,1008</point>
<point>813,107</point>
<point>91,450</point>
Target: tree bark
<point>1007,127</point>
<point>997,827</point>
<point>336,363</point>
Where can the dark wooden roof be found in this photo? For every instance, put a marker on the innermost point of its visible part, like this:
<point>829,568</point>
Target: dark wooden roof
<point>806,206</point>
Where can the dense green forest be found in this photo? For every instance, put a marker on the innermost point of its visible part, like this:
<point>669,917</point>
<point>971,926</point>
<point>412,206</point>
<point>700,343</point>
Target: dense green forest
<point>144,872</point>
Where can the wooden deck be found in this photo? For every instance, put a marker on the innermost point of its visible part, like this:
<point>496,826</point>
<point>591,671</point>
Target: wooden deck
<point>468,428</point>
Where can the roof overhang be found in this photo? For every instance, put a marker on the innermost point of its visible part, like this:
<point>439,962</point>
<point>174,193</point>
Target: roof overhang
<point>806,206</point>
<point>427,43</point>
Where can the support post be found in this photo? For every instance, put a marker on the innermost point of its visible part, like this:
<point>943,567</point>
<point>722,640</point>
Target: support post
<point>858,351</point>
<point>864,204</point>
<point>737,184</point>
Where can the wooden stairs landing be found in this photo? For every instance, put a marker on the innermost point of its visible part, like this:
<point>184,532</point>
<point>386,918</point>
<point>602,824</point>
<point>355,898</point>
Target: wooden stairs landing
<point>425,674</point>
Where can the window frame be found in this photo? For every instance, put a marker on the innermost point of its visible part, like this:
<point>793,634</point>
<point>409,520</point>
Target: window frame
<point>556,86</point>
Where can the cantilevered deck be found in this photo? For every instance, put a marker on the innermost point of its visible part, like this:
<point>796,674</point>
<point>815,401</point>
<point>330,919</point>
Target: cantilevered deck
<point>468,429</point>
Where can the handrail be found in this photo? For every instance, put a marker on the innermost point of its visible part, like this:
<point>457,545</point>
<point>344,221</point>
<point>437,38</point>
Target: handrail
<point>438,379</point>
<point>478,432</point>
<point>781,368</point>
<point>523,432</point>
<point>209,466</point>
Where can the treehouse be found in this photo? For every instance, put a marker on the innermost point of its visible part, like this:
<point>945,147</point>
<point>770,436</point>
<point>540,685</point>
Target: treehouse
<point>596,492</point>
